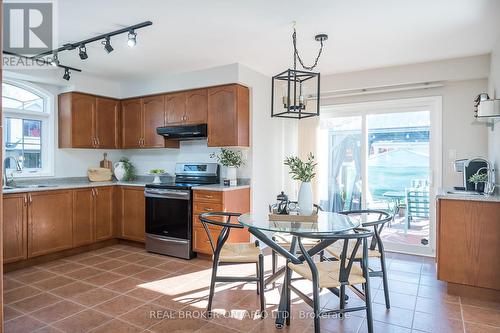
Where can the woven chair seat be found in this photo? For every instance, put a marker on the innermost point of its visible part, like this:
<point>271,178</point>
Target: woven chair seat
<point>336,249</point>
<point>328,273</point>
<point>239,252</point>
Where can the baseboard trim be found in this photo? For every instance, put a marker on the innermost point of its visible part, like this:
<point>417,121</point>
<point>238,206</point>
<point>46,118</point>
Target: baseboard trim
<point>484,294</point>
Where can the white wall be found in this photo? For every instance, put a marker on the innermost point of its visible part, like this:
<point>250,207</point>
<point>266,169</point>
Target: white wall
<point>494,92</point>
<point>462,78</point>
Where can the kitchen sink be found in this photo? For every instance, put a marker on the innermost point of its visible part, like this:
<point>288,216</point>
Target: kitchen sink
<point>464,192</point>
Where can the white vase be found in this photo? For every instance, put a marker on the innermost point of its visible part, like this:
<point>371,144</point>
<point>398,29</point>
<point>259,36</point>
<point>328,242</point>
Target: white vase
<point>119,171</point>
<point>231,173</point>
<point>305,199</point>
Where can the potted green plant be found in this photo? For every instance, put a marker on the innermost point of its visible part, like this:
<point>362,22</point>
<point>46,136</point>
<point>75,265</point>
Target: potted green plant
<point>478,178</point>
<point>304,172</point>
<point>231,160</point>
<point>124,170</point>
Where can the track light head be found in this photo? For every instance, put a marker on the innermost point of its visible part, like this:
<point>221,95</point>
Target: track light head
<point>132,38</point>
<point>107,45</point>
<point>55,60</point>
<point>82,52</point>
<point>66,75</point>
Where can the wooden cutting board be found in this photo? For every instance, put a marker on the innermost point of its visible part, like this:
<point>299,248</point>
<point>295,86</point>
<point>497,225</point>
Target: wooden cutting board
<point>105,163</point>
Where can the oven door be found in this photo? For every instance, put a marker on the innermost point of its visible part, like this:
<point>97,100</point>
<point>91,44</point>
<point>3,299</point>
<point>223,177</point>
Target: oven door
<point>168,213</point>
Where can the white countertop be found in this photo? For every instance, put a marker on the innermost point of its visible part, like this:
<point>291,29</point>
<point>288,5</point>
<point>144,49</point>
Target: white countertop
<point>219,187</point>
<point>70,185</point>
<point>443,194</point>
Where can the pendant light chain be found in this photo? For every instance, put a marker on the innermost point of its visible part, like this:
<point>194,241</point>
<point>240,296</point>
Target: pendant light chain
<point>297,56</point>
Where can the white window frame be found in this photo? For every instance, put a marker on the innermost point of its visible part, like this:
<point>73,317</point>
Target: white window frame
<point>432,104</point>
<point>48,129</point>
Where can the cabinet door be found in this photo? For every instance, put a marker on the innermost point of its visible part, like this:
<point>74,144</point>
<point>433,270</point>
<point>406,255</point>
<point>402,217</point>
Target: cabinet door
<point>82,114</point>
<point>14,227</point>
<point>196,106</point>
<point>222,117</point>
<point>103,213</point>
<point>132,123</point>
<point>175,108</point>
<point>83,216</point>
<point>49,222</point>
<point>107,124</point>
<point>133,214</point>
<point>154,116</point>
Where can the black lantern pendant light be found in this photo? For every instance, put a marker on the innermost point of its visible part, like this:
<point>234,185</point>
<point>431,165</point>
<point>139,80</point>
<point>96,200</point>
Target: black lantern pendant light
<point>295,93</point>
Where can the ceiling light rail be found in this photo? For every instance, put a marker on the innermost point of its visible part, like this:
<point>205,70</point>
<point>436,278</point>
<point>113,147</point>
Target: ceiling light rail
<point>107,36</point>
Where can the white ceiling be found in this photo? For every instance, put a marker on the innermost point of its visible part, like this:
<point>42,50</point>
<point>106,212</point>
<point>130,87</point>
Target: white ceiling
<point>188,35</point>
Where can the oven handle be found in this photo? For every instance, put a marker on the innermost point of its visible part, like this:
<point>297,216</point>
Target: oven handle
<point>169,239</point>
<point>171,195</point>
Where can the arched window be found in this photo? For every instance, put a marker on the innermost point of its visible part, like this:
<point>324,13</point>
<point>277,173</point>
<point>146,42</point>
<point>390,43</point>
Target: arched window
<point>27,129</point>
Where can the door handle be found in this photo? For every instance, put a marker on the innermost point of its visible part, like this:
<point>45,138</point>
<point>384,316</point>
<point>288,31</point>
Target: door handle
<point>97,141</point>
<point>93,192</point>
<point>30,199</point>
<point>96,191</point>
<point>209,209</point>
<point>25,199</point>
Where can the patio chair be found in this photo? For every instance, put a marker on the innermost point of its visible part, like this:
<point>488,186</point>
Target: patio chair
<point>417,204</point>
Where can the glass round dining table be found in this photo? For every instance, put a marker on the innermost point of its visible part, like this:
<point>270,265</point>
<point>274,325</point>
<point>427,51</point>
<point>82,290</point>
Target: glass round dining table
<point>263,228</point>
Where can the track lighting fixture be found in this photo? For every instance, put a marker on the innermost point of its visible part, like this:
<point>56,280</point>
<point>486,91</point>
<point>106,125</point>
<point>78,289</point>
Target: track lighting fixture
<point>51,56</point>
<point>66,75</point>
<point>132,38</point>
<point>107,45</point>
<point>55,61</point>
<point>82,51</point>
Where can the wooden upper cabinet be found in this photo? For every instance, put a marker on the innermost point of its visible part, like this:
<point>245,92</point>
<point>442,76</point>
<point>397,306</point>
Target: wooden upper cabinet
<point>228,116</point>
<point>49,230</point>
<point>196,106</point>
<point>154,116</point>
<point>83,216</point>
<point>175,108</point>
<point>14,227</point>
<point>107,123</point>
<point>87,121</point>
<point>103,207</point>
<point>132,123</point>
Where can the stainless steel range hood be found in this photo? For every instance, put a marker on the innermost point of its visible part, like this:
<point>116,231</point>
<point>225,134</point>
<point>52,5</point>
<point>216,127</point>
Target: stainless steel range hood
<point>183,132</point>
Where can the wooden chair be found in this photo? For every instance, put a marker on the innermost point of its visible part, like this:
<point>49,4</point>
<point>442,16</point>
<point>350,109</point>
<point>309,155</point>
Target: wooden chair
<point>232,254</point>
<point>335,274</point>
<point>376,249</point>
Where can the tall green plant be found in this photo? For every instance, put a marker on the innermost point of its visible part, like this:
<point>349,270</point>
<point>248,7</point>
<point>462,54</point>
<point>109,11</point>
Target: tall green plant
<point>300,170</point>
<point>228,157</point>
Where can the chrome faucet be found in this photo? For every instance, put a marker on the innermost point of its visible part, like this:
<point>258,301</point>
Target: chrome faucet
<point>6,180</point>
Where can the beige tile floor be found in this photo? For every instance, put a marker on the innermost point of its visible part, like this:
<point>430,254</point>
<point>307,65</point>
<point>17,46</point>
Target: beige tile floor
<point>124,289</point>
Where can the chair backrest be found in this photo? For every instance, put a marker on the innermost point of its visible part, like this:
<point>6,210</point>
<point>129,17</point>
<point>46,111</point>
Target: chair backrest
<point>418,202</point>
<point>347,257</point>
<point>378,222</point>
<point>219,219</point>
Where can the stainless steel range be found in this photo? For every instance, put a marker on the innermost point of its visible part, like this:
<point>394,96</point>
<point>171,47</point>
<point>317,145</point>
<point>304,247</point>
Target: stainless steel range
<point>169,209</point>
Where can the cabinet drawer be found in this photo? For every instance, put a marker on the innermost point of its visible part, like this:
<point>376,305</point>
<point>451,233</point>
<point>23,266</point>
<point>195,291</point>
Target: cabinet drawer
<point>206,207</point>
<point>209,196</point>
<point>201,243</point>
<point>197,222</point>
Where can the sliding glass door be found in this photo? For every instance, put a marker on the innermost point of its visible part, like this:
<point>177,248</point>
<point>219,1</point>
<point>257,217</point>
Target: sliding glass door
<point>385,155</point>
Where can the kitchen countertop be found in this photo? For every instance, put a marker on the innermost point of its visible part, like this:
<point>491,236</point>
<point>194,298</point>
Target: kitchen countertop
<point>442,194</point>
<point>68,183</point>
<point>52,184</point>
<point>220,187</point>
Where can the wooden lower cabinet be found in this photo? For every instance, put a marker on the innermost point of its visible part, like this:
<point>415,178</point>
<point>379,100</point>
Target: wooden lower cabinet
<point>83,216</point>
<point>236,201</point>
<point>103,213</point>
<point>14,227</point>
<point>468,245</point>
<point>132,210</point>
<point>50,227</point>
